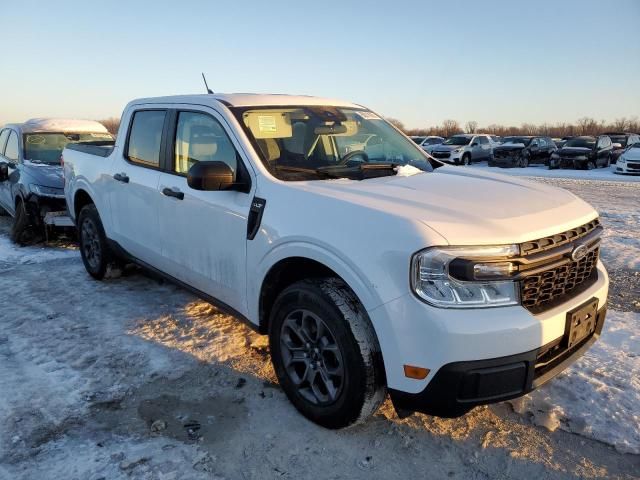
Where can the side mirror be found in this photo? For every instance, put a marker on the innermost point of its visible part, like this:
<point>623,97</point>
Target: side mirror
<point>210,176</point>
<point>4,171</point>
<point>474,144</point>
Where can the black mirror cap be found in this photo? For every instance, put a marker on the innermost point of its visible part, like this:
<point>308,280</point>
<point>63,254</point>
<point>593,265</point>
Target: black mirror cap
<point>210,176</point>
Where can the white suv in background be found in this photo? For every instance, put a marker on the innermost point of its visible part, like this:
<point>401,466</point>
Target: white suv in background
<point>464,149</point>
<point>371,270</point>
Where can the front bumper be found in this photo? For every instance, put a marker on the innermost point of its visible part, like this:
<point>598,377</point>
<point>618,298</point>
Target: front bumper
<point>628,167</point>
<point>411,332</point>
<point>568,163</point>
<point>460,386</point>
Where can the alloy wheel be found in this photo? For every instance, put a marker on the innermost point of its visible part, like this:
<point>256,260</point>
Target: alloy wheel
<point>311,357</point>
<point>91,243</point>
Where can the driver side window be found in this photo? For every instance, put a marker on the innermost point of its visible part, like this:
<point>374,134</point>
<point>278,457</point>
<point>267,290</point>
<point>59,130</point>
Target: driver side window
<point>201,138</point>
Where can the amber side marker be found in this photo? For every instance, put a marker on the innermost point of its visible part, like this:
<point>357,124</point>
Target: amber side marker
<point>418,373</point>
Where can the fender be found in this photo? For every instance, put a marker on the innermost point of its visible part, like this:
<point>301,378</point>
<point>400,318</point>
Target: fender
<point>351,274</point>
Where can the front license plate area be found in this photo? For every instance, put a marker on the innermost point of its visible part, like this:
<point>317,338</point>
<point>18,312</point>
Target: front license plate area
<point>581,322</point>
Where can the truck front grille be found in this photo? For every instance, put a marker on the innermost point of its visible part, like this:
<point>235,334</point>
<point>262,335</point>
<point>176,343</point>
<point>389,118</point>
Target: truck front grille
<point>544,290</point>
<point>548,274</point>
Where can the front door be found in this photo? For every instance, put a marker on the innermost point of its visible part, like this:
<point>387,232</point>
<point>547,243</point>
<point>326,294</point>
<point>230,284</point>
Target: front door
<point>10,155</point>
<point>133,188</point>
<point>204,233</point>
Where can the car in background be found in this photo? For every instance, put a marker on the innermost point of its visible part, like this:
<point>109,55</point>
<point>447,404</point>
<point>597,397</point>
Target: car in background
<point>583,152</point>
<point>417,139</point>
<point>497,139</point>
<point>561,141</point>
<point>620,143</point>
<point>31,182</point>
<point>464,149</point>
<point>629,161</point>
<point>522,150</point>
<point>430,142</point>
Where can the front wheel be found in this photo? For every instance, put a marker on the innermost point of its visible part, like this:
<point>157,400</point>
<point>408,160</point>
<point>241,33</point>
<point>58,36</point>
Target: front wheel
<point>466,159</point>
<point>590,165</point>
<point>94,250</point>
<point>325,353</point>
<point>23,232</point>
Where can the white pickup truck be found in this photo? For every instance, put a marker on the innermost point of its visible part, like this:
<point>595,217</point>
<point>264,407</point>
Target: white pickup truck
<point>371,271</point>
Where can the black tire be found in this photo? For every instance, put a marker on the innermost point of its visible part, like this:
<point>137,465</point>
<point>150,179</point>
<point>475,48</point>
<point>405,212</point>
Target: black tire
<point>491,163</point>
<point>590,165</point>
<point>21,230</point>
<point>94,249</point>
<point>524,162</point>
<point>346,354</point>
<point>466,159</point>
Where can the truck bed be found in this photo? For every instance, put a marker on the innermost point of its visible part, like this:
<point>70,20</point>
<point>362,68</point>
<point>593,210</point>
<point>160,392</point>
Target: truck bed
<point>99,149</point>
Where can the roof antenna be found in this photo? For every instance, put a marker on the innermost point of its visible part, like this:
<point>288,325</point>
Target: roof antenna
<point>205,83</point>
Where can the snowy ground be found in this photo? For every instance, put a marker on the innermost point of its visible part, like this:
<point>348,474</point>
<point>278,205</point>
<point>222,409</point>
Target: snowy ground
<point>135,378</point>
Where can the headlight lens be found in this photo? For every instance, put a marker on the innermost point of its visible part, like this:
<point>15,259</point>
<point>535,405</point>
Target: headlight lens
<point>46,191</point>
<point>457,150</point>
<point>433,282</point>
<point>622,160</point>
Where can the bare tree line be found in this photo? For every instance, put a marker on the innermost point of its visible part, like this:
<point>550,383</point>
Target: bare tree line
<point>112,124</point>
<point>584,126</point>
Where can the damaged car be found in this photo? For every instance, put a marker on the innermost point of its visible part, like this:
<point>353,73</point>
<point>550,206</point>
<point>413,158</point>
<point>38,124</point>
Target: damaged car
<point>584,153</point>
<point>31,183</point>
<point>521,151</point>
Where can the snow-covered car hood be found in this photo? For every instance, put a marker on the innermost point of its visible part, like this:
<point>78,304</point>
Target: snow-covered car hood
<point>510,146</point>
<point>574,151</point>
<point>44,174</point>
<point>468,207</point>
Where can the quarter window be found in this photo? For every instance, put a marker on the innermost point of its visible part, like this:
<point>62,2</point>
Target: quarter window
<point>145,137</point>
<point>3,139</point>
<point>11,151</point>
<point>201,138</point>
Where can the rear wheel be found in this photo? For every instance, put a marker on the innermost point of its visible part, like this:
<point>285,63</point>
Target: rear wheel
<point>325,353</point>
<point>94,249</point>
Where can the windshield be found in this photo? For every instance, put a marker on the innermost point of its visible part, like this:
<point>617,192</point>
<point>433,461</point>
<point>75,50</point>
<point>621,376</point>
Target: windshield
<point>417,140</point>
<point>316,142</point>
<point>621,139</point>
<point>581,142</point>
<point>457,141</point>
<point>47,147</point>
<point>523,140</point>
<point>433,141</point>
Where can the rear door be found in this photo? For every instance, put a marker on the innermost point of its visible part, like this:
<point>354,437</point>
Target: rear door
<point>133,189</point>
<point>204,233</point>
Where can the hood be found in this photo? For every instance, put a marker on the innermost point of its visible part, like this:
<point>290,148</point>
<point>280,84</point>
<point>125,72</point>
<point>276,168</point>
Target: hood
<point>42,174</point>
<point>574,151</point>
<point>632,154</point>
<point>447,148</point>
<point>509,147</point>
<point>467,207</point>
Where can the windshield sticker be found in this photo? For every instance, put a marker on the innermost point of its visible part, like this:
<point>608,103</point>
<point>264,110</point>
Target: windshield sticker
<point>35,139</point>
<point>368,116</point>
<point>267,123</point>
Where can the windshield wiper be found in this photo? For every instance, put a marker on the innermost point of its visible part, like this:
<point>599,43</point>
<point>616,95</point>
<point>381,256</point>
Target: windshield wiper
<point>361,171</point>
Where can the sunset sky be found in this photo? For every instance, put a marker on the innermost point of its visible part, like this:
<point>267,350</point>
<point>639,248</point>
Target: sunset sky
<point>504,62</point>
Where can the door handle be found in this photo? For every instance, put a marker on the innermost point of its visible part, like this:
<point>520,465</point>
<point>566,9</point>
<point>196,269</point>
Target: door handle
<point>121,177</point>
<point>169,192</point>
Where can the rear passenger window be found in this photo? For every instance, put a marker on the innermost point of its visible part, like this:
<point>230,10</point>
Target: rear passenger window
<point>3,139</point>
<point>11,151</point>
<point>145,137</point>
<point>483,140</point>
<point>201,138</point>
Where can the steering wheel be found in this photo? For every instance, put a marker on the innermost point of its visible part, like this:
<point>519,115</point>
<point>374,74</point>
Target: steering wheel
<point>350,155</point>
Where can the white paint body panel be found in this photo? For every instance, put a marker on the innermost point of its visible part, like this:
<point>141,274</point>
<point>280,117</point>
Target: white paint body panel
<point>364,231</point>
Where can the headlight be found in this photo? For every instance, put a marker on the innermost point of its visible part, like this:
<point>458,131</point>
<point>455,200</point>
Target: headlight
<point>458,150</point>
<point>47,191</point>
<point>622,160</point>
<point>465,277</point>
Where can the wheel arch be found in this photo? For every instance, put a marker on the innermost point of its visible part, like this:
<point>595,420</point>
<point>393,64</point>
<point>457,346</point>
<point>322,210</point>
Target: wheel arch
<point>80,199</point>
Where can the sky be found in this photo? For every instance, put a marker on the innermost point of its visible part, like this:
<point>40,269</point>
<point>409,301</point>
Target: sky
<point>504,62</point>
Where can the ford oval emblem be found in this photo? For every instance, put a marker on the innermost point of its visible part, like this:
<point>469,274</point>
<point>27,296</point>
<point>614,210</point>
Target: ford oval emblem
<point>579,253</point>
